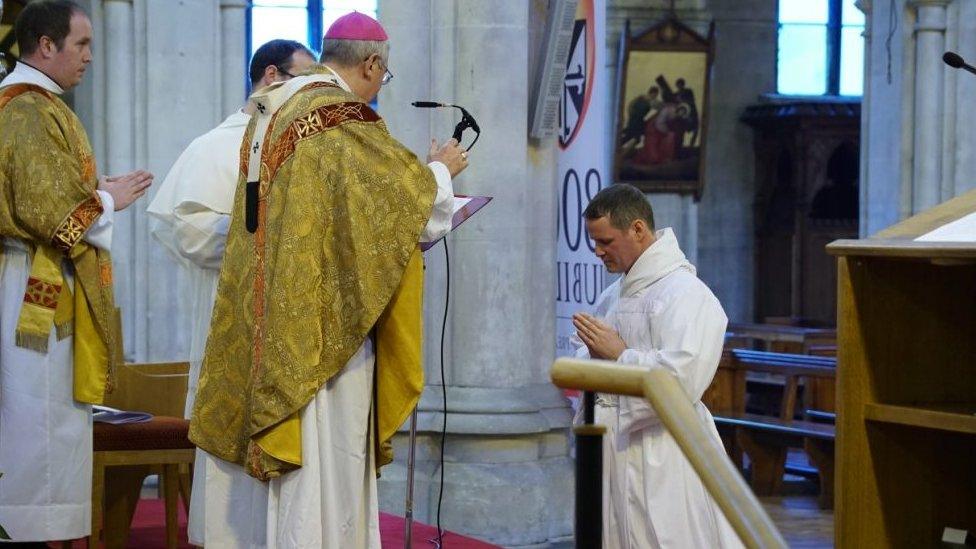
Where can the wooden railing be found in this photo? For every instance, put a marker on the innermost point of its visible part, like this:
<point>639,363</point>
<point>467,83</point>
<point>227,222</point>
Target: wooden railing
<point>676,412</point>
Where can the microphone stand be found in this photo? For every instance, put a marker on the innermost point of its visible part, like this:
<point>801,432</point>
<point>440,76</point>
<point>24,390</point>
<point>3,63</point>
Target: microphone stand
<point>408,505</point>
<point>589,477</point>
<point>467,122</point>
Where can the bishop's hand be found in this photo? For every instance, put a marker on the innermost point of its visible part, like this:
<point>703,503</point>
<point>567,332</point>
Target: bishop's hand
<point>127,188</point>
<point>450,154</point>
<point>600,338</point>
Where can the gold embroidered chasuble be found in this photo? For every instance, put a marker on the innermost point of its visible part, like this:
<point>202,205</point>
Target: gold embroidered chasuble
<point>48,183</point>
<point>334,258</point>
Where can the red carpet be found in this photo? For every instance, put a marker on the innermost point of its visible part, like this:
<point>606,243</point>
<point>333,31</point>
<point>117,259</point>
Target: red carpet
<point>149,531</point>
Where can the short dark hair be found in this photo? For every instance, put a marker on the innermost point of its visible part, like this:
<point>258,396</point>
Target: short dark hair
<point>622,204</point>
<point>51,18</point>
<point>277,53</point>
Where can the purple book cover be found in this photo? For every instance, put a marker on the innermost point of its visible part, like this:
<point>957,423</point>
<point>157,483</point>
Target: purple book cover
<point>464,207</point>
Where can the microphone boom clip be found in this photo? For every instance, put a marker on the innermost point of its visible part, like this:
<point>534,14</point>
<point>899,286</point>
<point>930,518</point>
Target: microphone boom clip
<point>467,121</point>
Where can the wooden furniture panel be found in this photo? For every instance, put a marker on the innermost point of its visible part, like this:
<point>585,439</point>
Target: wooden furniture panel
<point>806,180</point>
<point>766,439</point>
<point>906,429</point>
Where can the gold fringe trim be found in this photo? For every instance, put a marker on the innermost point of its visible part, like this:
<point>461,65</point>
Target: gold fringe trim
<point>65,330</point>
<point>34,342</point>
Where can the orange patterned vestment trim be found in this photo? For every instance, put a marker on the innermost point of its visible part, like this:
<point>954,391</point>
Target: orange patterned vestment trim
<point>74,227</point>
<point>311,124</point>
<point>10,92</point>
<point>44,294</point>
<point>87,168</point>
<point>105,274</point>
<point>315,122</point>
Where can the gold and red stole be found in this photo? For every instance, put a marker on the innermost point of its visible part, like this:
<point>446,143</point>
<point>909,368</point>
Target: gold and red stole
<point>334,257</point>
<point>48,182</point>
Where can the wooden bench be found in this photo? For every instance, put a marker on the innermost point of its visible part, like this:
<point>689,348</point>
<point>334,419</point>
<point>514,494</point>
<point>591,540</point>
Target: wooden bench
<point>766,439</point>
<point>780,338</point>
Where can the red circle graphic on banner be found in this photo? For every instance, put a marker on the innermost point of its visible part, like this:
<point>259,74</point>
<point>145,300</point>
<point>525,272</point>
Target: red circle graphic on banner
<point>580,74</point>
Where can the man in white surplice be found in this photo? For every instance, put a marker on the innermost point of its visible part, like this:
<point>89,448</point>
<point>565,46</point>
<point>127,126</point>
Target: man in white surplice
<point>191,214</point>
<point>657,315</point>
<point>46,163</point>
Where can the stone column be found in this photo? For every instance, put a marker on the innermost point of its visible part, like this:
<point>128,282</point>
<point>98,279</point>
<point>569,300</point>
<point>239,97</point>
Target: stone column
<point>508,477</point>
<point>930,27</point>
<point>120,153</point>
<point>962,18</point>
<point>865,144</point>
<point>887,136</point>
<point>234,60</point>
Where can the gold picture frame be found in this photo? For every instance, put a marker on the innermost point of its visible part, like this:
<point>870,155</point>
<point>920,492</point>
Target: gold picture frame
<point>662,108</point>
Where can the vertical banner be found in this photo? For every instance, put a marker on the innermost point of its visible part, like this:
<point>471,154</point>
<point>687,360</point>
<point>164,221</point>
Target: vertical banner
<point>582,169</point>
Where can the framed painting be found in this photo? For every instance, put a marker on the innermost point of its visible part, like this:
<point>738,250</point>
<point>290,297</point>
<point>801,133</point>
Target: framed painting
<point>662,108</point>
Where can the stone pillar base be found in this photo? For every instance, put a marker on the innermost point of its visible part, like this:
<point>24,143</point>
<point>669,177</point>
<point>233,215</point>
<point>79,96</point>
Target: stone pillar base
<point>508,477</point>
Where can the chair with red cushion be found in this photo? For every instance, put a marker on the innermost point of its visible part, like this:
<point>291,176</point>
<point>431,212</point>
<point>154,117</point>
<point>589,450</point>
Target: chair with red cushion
<point>126,454</point>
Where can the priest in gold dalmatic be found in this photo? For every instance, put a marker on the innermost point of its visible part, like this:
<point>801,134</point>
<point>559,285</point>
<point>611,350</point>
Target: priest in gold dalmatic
<point>314,355</point>
<point>59,330</point>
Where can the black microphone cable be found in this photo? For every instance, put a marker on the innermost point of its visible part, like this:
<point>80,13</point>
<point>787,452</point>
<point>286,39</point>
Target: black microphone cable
<point>439,543</point>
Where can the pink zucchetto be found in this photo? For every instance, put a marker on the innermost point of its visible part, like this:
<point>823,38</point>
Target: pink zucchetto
<point>356,26</point>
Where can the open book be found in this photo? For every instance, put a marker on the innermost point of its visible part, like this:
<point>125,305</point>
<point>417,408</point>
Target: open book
<point>464,207</point>
<point>105,414</point>
<point>960,230</point>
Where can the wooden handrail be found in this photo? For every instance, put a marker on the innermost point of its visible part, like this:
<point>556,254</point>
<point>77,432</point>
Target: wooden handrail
<point>676,412</point>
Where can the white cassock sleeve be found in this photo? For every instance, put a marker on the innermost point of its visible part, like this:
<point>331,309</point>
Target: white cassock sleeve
<point>441,216</point>
<point>200,234</point>
<point>100,233</point>
<point>686,339</point>
<point>190,214</point>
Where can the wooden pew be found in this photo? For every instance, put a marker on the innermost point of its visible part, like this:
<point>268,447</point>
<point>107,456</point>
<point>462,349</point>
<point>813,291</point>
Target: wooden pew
<point>790,338</point>
<point>766,438</point>
<point>783,338</point>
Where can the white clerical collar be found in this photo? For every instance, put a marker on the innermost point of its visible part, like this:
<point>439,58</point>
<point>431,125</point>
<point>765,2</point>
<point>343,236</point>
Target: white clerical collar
<point>339,80</point>
<point>26,74</point>
<point>661,258</point>
<point>269,99</point>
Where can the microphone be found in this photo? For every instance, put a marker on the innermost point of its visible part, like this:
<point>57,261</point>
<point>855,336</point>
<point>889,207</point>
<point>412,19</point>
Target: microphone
<point>467,121</point>
<point>955,61</point>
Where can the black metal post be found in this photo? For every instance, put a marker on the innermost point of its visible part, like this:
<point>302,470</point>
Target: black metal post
<point>589,477</point>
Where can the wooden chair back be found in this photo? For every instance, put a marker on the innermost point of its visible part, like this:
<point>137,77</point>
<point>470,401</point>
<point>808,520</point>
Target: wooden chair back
<point>157,388</point>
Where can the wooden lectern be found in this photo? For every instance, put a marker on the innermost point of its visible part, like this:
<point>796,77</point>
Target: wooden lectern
<point>906,444</point>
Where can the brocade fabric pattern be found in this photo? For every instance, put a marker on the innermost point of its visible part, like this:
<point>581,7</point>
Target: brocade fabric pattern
<point>341,208</point>
<point>47,195</point>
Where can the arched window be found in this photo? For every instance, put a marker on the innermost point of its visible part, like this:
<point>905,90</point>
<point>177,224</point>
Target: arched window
<point>304,21</point>
<point>821,49</point>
